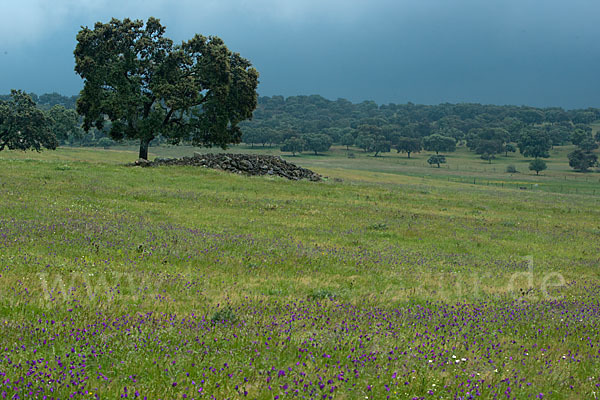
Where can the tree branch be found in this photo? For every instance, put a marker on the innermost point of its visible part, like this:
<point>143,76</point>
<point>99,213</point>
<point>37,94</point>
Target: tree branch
<point>168,116</point>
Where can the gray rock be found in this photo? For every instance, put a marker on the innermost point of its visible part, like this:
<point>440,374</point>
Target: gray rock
<point>239,163</point>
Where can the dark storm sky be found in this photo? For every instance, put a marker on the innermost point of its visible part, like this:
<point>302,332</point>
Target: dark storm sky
<point>541,53</point>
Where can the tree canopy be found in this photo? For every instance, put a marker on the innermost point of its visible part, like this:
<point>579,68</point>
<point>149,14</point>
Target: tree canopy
<point>23,126</point>
<point>535,143</point>
<point>437,160</point>
<point>408,145</point>
<point>437,143</point>
<point>537,165</point>
<point>146,86</point>
<point>582,160</point>
<point>317,143</point>
<point>293,145</point>
<point>65,123</point>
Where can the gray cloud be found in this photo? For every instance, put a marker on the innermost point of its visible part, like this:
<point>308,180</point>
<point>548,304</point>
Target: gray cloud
<point>494,51</point>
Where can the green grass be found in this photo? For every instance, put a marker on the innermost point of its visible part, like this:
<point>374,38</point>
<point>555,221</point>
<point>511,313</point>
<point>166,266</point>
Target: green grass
<point>463,166</point>
<point>203,268</point>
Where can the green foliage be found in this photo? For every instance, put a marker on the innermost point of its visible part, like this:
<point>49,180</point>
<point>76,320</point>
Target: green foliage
<point>145,85</point>
<point>48,100</point>
<point>317,142</point>
<point>559,134</point>
<point>23,126</point>
<point>322,294</point>
<point>408,145</point>
<point>582,160</point>
<point>511,169</point>
<point>347,140</point>
<point>588,144</point>
<point>439,143</point>
<point>579,135</point>
<point>254,136</point>
<point>105,142</point>
<point>378,226</point>
<point>453,132</point>
<point>381,145</point>
<point>223,315</point>
<point>293,145</point>
<point>488,157</point>
<point>535,143</point>
<point>365,142</point>
<point>489,148</point>
<point>531,116</point>
<point>65,123</point>
<point>509,148</point>
<point>436,160</point>
<point>537,165</point>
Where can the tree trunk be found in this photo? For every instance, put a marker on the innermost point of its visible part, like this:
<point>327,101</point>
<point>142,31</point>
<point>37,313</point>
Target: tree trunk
<point>408,152</point>
<point>144,144</point>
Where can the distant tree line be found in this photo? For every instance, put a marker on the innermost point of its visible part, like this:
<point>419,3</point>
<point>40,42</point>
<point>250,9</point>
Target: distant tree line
<point>313,123</point>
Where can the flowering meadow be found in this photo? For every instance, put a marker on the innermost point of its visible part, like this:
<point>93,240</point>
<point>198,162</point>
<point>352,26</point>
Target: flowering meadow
<point>183,283</point>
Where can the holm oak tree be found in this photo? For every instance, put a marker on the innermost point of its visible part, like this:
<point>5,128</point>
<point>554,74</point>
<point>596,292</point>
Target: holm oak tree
<point>145,85</point>
<point>23,126</point>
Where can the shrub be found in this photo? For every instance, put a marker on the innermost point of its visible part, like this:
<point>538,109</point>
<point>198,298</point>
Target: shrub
<point>223,315</point>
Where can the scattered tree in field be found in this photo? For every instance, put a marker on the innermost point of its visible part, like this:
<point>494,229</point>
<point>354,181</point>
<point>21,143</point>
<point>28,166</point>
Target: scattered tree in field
<point>317,142</point>
<point>508,148</point>
<point>347,140</point>
<point>437,143</point>
<point>488,157</point>
<point>511,169</point>
<point>437,160</point>
<point>293,145</point>
<point>582,160</point>
<point>488,149</point>
<point>381,145</point>
<point>408,145</point>
<point>23,126</point>
<point>65,123</point>
<point>535,143</point>
<point>145,85</point>
<point>537,165</point>
<point>365,142</point>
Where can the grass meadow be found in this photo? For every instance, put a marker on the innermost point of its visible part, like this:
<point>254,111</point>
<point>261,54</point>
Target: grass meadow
<point>389,279</point>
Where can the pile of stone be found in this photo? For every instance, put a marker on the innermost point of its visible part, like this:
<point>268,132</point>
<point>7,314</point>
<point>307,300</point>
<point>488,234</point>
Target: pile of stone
<point>239,163</point>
